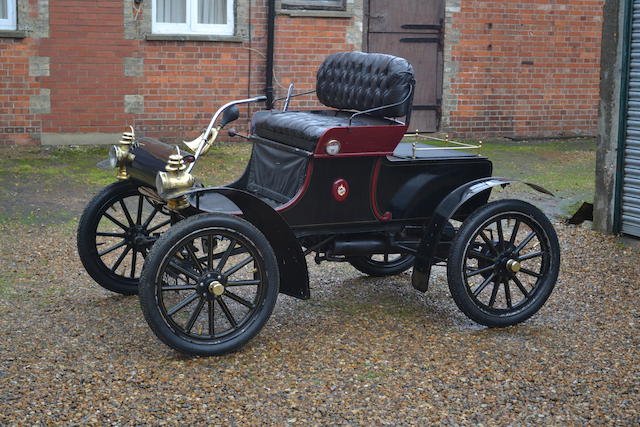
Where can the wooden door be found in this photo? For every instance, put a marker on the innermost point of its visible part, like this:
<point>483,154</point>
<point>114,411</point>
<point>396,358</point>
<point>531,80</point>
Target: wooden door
<point>412,29</point>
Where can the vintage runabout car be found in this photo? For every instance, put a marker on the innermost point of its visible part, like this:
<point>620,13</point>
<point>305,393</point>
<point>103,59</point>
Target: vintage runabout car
<point>208,262</point>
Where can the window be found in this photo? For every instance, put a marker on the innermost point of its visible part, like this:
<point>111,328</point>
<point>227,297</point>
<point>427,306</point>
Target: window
<point>7,14</point>
<point>314,4</point>
<point>193,17</point>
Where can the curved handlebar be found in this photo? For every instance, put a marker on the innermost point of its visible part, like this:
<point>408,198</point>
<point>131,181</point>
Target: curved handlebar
<point>205,135</point>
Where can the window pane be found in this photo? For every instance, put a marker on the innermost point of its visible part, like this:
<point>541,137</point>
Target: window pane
<point>212,11</point>
<point>4,12</point>
<point>174,11</point>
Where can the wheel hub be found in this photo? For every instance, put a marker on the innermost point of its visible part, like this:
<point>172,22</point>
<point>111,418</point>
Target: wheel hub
<point>211,284</point>
<point>513,265</point>
<point>216,288</point>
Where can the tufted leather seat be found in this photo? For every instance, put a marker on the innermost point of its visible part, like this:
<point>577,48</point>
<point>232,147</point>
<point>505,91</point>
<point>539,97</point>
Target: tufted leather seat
<point>345,81</point>
<point>303,129</point>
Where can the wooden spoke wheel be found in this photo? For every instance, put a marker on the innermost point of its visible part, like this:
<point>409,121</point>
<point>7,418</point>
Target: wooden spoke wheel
<point>115,232</point>
<point>503,263</point>
<point>209,284</point>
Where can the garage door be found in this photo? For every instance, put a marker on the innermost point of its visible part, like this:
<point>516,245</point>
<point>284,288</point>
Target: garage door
<point>630,223</point>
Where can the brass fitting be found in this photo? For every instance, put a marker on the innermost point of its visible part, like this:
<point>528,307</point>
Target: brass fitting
<point>175,179</point>
<point>121,156</point>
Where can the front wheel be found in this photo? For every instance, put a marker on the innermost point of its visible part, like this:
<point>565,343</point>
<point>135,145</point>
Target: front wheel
<point>209,284</point>
<point>114,234</point>
<point>503,263</point>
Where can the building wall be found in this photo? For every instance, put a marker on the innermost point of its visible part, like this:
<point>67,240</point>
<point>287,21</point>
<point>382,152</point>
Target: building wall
<point>86,70</point>
<point>521,68</point>
<point>83,80</point>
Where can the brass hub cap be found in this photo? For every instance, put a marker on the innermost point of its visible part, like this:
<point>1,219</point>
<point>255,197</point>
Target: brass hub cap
<point>216,288</point>
<point>513,266</point>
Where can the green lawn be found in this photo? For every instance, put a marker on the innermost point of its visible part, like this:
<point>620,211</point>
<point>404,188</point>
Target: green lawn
<point>42,185</point>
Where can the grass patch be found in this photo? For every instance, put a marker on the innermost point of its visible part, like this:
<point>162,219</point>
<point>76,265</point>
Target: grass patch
<point>57,165</point>
<point>565,166</point>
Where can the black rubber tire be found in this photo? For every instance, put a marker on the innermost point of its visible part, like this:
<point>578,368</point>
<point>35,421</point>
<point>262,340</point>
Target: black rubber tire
<point>86,238</point>
<point>376,268</point>
<point>170,244</point>
<point>540,290</point>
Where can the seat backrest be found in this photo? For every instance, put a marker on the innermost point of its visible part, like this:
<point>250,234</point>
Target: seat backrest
<point>362,81</point>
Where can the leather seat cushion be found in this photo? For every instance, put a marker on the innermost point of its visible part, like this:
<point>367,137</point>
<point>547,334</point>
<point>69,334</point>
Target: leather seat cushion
<point>362,81</point>
<point>303,129</point>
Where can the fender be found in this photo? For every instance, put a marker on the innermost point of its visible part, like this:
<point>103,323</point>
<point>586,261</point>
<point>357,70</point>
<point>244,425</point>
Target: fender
<point>441,216</point>
<point>294,275</point>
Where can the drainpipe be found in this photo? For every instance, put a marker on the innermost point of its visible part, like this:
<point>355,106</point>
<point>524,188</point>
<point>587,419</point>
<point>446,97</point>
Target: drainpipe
<point>622,117</point>
<point>271,25</point>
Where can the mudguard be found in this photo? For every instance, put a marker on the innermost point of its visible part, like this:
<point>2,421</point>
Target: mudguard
<point>441,216</point>
<point>294,276</point>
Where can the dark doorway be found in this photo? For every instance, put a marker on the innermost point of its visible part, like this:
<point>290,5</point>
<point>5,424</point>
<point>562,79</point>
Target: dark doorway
<point>412,29</point>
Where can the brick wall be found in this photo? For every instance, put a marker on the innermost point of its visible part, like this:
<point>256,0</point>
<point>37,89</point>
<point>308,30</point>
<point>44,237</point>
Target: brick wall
<point>522,68</point>
<point>90,76</point>
<point>86,69</point>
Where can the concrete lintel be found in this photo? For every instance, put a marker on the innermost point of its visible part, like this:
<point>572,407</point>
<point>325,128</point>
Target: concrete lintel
<point>95,138</point>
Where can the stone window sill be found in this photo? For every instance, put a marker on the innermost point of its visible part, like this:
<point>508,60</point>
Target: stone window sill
<point>316,13</point>
<point>15,34</point>
<point>194,37</point>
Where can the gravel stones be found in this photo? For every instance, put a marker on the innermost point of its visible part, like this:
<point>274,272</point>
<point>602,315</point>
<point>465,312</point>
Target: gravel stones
<point>361,351</point>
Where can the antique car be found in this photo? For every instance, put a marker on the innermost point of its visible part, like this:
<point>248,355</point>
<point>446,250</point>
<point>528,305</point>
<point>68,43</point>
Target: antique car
<point>341,183</point>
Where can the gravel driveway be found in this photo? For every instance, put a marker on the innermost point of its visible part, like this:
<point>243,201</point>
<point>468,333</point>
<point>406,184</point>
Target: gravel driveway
<point>361,351</point>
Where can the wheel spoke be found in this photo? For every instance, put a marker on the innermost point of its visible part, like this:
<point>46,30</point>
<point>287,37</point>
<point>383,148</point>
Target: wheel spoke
<point>483,285</point>
<point>500,233</point>
<point>239,299</point>
<point>531,255</point>
<point>194,315</point>
<point>194,258</point>
<point>494,293</point>
<point>226,255</point>
<point>471,273</point>
<point>212,318</point>
<point>115,221</point>
<point>232,283</point>
<point>184,271</point>
<point>150,217</point>
<point>530,273</point>
<point>210,252</point>
<point>514,232</point>
<point>475,254</point>
<point>182,304</point>
<point>238,266</point>
<point>520,286</point>
<point>139,215</point>
<point>489,242</point>
<point>134,260</point>
<point>126,212</point>
<point>120,259</point>
<point>157,226</point>
<point>107,234</point>
<point>112,248</point>
<point>178,288</point>
<point>507,293</point>
<point>227,313</point>
<point>524,242</point>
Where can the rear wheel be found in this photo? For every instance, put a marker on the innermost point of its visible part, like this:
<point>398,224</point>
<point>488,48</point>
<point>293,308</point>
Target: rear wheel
<point>503,263</point>
<point>209,284</point>
<point>381,265</point>
<point>114,234</point>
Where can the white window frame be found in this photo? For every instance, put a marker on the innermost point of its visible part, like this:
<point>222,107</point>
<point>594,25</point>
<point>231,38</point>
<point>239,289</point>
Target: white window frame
<point>10,23</point>
<point>192,26</point>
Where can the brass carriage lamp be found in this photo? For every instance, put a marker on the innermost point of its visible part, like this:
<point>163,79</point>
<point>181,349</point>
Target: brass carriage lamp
<point>173,181</point>
<point>120,155</point>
